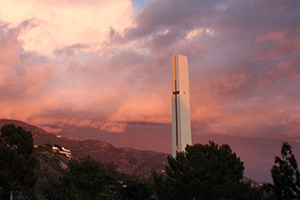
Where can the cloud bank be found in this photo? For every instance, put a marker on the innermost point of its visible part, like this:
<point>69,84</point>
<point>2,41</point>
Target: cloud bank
<point>100,65</point>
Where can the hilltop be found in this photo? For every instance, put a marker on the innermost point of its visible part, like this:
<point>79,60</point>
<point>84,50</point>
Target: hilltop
<point>128,160</point>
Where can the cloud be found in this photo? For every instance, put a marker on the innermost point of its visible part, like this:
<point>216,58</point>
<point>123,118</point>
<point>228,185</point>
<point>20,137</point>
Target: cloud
<point>67,23</point>
<point>100,70</point>
<point>21,73</point>
<point>69,50</point>
<point>96,64</point>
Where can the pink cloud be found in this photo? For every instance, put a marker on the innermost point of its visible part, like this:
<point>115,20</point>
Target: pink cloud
<point>75,69</point>
<point>238,68</point>
<point>21,73</point>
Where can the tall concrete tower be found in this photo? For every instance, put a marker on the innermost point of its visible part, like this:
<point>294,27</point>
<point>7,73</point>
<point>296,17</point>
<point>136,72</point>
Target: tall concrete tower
<point>181,120</point>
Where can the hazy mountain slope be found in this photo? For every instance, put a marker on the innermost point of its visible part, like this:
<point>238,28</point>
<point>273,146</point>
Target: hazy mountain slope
<point>128,160</point>
<point>147,155</point>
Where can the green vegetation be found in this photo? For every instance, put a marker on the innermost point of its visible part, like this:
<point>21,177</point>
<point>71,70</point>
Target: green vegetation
<point>286,175</point>
<point>89,179</point>
<point>209,172</point>
<point>204,172</point>
<point>17,163</point>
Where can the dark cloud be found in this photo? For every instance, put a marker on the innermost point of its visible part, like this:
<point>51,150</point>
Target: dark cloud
<point>231,21</point>
<point>176,15</point>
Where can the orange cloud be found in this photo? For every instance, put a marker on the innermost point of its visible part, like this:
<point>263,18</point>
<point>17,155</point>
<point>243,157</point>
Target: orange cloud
<point>66,23</point>
<point>96,64</point>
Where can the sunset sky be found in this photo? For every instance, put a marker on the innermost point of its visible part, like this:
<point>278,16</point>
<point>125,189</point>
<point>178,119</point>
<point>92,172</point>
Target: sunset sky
<point>100,69</point>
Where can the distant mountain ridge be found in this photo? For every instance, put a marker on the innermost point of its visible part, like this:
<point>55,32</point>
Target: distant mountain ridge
<point>128,160</point>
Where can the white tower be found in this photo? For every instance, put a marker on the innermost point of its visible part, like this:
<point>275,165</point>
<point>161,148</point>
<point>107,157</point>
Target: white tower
<point>181,120</point>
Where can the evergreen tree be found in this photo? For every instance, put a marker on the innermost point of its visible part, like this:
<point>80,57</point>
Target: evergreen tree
<point>134,188</point>
<point>285,174</point>
<point>204,172</point>
<point>87,179</point>
<point>18,163</point>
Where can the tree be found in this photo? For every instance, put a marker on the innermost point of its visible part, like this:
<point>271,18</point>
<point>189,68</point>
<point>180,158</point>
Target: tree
<point>18,163</point>
<point>48,146</point>
<point>134,188</point>
<point>285,174</point>
<point>87,178</point>
<point>203,172</point>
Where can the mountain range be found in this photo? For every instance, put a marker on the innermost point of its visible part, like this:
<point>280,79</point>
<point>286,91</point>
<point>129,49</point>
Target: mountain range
<point>127,160</point>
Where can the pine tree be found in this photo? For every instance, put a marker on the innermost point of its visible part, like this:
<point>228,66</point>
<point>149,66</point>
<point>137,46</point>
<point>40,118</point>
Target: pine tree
<point>285,174</point>
<point>204,172</point>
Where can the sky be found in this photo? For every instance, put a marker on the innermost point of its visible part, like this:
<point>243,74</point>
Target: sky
<point>101,69</point>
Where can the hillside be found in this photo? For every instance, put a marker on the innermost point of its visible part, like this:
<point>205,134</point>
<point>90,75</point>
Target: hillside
<point>50,165</point>
<point>128,160</point>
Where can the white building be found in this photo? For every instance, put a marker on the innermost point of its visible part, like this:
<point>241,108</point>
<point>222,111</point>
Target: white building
<point>64,149</point>
<point>181,120</point>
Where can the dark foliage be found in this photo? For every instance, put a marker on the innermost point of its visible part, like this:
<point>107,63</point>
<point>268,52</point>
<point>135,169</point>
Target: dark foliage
<point>48,146</point>
<point>285,174</point>
<point>204,172</point>
<point>18,163</point>
<point>134,188</point>
<point>89,179</point>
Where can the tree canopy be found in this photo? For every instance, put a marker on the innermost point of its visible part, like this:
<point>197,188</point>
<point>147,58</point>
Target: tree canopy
<point>203,172</point>
<point>285,174</point>
<point>87,178</point>
<point>17,163</point>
